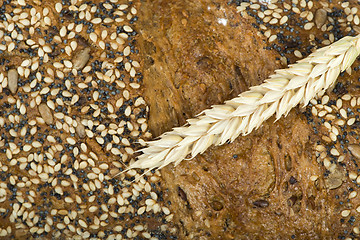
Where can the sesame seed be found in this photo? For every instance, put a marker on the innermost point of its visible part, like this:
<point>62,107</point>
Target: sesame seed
<point>352,194</point>
<point>58,7</point>
<point>272,38</point>
<point>334,152</point>
<point>343,113</point>
<point>308,26</point>
<point>345,213</point>
<point>128,28</point>
<point>346,97</point>
<point>71,141</point>
<point>298,54</point>
<point>351,121</point>
<point>127,51</point>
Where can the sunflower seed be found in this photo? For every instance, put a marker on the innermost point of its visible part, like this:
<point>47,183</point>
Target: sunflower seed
<point>13,78</point>
<point>80,129</point>
<point>355,150</point>
<point>320,17</point>
<point>45,113</point>
<point>81,59</point>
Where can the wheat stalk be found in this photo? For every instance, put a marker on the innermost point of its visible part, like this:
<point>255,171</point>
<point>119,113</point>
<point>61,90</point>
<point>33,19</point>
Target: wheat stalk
<point>299,83</point>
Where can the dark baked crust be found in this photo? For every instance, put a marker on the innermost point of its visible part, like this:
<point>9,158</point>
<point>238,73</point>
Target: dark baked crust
<point>258,187</point>
<point>192,61</point>
<point>267,185</point>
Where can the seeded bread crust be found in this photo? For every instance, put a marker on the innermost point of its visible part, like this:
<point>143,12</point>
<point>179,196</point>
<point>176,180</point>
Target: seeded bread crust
<point>71,117</point>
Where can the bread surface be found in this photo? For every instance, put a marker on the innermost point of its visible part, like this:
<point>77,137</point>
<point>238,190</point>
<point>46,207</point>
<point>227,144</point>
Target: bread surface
<point>85,84</point>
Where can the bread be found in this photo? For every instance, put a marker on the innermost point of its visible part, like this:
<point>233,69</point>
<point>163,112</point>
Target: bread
<point>68,132</point>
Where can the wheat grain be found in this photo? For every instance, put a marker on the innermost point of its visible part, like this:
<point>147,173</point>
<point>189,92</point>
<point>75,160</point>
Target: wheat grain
<point>299,83</point>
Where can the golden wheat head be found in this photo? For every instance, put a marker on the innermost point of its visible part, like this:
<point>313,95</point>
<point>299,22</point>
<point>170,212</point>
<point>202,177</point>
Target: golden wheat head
<point>282,91</point>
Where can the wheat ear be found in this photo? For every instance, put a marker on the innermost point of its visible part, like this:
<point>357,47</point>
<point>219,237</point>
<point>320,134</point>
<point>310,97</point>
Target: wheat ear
<point>299,83</point>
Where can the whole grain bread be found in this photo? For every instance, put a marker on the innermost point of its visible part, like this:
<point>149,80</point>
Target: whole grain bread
<point>83,85</point>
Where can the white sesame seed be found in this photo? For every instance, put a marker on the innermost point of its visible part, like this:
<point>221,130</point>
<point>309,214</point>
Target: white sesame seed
<point>58,7</point>
<point>283,20</point>
<point>133,11</point>
<point>334,152</point>
<point>83,223</point>
<point>274,21</point>
<point>126,51</point>
<point>26,63</point>
<point>47,21</point>
<point>73,45</point>
<point>58,65</point>
<point>120,59</point>
<point>22,109</point>
<point>340,122</point>
<point>79,28</point>
<point>254,6</point>
<point>11,46</point>
<point>71,35</point>
<point>21,2</point>
<point>69,200</point>
<point>353,102</point>
<point>352,175</point>
<point>150,202</point>
<point>346,97</point>
<point>327,125</point>
<point>345,213</point>
<point>127,28</point>
<point>102,44</point>
<point>68,64</point>
<point>339,103</point>
<point>100,140</point>
<point>333,137</point>
<point>27,147</point>
<point>123,7</point>
<point>126,94</point>
<point>351,121</point>
<point>104,34</point>
<point>96,20</point>
<point>71,141</point>
<point>298,54</point>
<point>93,37</point>
<point>314,111</point>
<point>141,210</point>
<point>335,130</point>
<point>352,194</point>
<point>356,20</point>
<point>325,99</point>
<point>310,16</point>
<point>63,31</point>
<point>93,208</point>
<point>127,111</point>
<point>343,113</point>
<point>132,72</point>
<point>314,178</point>
<point>308,25</point>
<point>328,109</point>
